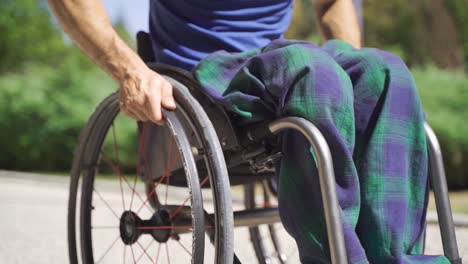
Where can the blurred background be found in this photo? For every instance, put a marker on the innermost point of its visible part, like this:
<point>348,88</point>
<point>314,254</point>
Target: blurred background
<point>48,89</point>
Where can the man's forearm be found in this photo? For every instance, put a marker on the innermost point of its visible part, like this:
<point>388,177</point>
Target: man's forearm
<point>337,19</point>
<point>87,23</point>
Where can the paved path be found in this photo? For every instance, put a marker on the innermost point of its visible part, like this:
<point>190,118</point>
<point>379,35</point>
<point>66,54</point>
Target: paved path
<point>33,223</point>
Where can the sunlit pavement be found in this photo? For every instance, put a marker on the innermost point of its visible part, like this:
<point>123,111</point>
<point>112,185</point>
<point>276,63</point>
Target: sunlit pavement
<point>33,211</point>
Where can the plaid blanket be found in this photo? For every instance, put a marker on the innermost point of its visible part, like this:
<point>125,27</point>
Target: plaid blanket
<point>366,105</point>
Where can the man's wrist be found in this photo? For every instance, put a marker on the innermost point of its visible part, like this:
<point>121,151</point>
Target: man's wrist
<point>121,62</point>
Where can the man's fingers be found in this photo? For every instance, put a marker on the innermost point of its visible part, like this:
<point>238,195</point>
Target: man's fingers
<point>140,116</point>
<point>153,106</point>
<point>132,114</point>
<point>144,98</point>
<point>127,113</point>
<point>167,100</point>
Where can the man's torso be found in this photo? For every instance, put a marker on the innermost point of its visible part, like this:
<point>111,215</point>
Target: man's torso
<point>185,31</point>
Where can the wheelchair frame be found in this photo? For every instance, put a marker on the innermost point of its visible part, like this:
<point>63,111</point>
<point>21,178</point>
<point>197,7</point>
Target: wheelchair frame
<point>254,136</point>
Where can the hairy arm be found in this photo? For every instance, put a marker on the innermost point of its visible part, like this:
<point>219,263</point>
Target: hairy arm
<point>337,19</point>
<point>142,91</point>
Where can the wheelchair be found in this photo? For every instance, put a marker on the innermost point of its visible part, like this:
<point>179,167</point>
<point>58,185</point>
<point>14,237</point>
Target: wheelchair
<point>202,157</point>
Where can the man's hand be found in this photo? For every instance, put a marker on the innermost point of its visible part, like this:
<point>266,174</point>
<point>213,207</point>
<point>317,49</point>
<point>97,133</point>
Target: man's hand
<point>143,95</point>
<point>142,91</point>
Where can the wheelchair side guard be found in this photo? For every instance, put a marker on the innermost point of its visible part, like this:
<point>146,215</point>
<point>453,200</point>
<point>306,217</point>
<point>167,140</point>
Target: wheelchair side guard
<point>441,197</point>
<point>216,113</point>
<point>327,181</point>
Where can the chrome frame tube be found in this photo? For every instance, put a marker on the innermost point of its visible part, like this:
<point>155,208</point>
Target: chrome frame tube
<point>441,197</point>
<point>327,181</point>
<point>242,218</point>
<point>256,217</point>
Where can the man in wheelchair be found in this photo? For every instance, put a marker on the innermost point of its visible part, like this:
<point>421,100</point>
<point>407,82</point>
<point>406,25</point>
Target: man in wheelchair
<point>363,100</point>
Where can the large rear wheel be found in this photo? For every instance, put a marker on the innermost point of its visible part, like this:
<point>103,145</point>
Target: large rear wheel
<point>147,210</point>
<point>117,223</point>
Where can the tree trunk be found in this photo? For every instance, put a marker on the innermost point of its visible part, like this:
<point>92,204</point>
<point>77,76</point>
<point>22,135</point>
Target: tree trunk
<point>445,48</point>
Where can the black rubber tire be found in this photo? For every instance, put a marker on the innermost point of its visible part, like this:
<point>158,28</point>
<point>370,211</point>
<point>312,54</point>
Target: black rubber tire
<point>214,159</point>
<point>82,162</point>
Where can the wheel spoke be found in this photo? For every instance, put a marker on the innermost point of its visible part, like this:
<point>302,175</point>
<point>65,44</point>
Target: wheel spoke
<point>110,163</point>
<point>167,190</point>
<point>174,214</point>
<point>148,169</point>
<point>168,159</point>
<point>138,195</point>
<point>144,251</point>
<point>148,197</point>
<point>176,211</point>
<point>166,174</point>
<point>182,245</point>
<point>157,254</point>
<point>107,205</point>
<point>161,178</point>
<point>133,192</point>
<point>133,255</point>
<point>141,152</point>
<point>124,254</point>
<point>108,249</point>
<point>116,152</point>
<point>167,254</point>
<point>146,248</point>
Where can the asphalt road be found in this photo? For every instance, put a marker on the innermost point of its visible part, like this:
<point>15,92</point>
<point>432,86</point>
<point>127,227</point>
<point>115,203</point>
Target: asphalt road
<point>33,212</point>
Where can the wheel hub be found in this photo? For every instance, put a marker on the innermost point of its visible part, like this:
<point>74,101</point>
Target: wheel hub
<point>132,226</point>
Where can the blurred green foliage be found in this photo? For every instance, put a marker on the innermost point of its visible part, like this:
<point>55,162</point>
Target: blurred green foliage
<point>303,23</point>
<point>28,35</point>
<point>42,111</point>
<point>444,96</point>
<point>398,25</point>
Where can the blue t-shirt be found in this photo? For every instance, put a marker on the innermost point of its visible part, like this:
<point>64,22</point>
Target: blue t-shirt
<point>183,32</point>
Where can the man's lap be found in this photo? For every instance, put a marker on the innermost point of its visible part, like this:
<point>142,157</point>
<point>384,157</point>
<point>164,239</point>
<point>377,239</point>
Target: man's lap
<point>366,105</point>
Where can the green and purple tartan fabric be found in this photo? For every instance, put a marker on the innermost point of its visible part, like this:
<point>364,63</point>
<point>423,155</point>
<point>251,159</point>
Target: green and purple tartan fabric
<point>366,105</point>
